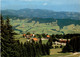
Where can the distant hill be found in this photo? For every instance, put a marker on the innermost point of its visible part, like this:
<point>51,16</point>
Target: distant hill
<point>60,22</point>
<point>30,13</point>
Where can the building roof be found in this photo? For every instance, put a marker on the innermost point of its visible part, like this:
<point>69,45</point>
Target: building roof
<point>48,36</point>
<point>31,34</point>
<point>24,34</point>
<point>35,39</point>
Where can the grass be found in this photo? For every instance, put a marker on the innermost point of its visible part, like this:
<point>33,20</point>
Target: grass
<point>18,36</point>
<point>23,40</point>
<point>77,55</point>
<point>56,53</point>
<point>39,27</point>
<point>44,41</point>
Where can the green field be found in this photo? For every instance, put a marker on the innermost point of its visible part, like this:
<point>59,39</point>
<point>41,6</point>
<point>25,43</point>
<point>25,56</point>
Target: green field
<point>56,53</point>
<point>23,26</point>
<point>63,55</point>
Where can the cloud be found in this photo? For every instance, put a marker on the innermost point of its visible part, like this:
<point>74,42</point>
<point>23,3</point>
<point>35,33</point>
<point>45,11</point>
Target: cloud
<point>45,4</point>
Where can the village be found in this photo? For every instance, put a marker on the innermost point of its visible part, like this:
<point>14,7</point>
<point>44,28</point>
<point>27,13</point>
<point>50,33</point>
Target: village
<point>32,37</point>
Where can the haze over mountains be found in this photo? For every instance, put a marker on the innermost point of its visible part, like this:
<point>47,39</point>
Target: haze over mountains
<point>40,13</point>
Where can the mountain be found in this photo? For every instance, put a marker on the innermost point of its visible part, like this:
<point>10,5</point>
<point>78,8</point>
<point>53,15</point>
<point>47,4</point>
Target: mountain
<point>40,13</point>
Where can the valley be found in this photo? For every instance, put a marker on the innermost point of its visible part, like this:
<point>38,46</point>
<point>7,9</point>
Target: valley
<point>39,26</point>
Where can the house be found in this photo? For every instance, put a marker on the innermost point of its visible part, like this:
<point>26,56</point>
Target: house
<point>35,39</point>
<point>28,36</point>
<point>31,34</point>
<point>48,36</point>
<point>63,40</point>
<point>24,35</point>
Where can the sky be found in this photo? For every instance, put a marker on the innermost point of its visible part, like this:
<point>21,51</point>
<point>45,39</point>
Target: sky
<point>55,5</point>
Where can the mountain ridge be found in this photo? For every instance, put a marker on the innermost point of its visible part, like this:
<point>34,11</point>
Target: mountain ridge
<point>40,13</point>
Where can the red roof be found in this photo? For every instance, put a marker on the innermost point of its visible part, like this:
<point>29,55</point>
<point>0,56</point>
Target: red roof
<point>64,41</point>
<point>35,39</point>
<point>48,36</point>
<point>24,34</point>
<point>31,34</point>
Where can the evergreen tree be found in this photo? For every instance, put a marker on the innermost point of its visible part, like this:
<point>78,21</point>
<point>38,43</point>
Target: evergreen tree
<point>40,41</point>
<point>44,35</point>
<point>47,49</point>
<point>49,43</point>
<point>67,48</point>
<point>74,42</point>
<point>7,41</point>
<point>3,39</point>
<point>28,33</point>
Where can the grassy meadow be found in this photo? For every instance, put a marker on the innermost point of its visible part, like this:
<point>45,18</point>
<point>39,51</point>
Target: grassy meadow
<point>24,26</point>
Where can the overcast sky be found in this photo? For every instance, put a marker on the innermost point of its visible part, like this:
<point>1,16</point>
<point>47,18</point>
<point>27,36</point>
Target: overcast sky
<point>55,5</point>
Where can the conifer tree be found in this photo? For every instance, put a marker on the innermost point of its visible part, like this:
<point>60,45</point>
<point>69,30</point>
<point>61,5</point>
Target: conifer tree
<point>47,49</point>
<point>40,41</point>
<point>8,43</point>
<point>74,42</point>
<point>3,39</point>
<point>50,42</point>
<point>67,48</point>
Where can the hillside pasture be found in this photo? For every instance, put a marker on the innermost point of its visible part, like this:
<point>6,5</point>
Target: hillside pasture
<point>24,26</point>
